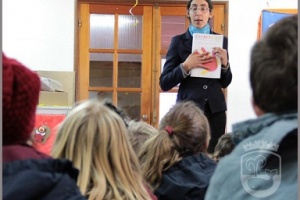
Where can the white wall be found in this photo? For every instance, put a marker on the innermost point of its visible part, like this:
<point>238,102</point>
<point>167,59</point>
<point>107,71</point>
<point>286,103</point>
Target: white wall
<point>39,33</point>
<point>242,33</point>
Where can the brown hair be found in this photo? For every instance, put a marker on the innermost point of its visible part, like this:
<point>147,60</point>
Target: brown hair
<point>224,146</point>
<point>274,68</point>
<point>183,130</point>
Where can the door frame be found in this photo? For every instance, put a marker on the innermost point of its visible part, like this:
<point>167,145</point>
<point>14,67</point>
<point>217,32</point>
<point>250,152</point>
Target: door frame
<point>154,91</point>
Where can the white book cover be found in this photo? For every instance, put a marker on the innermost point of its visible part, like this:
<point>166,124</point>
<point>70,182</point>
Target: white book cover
<point>206,43</point>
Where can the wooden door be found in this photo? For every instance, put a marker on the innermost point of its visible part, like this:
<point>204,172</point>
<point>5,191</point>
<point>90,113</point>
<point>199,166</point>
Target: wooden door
<point>115,56</point>
<point>123,62</point>
<point>218,21</point>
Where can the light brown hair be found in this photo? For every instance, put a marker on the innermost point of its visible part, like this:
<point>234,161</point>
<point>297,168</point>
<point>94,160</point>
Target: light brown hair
<point>184,129</point>
<point>139,132</point>
<point>95,138</point>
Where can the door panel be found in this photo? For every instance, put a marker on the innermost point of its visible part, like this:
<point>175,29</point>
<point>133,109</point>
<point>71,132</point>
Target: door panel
<point>101,73</point>
<point>113,62</point>
<point>169,21</point>
<point>122,60</point>
<point>218,20</point>
<point>102,31</point>
<point>171,26</point>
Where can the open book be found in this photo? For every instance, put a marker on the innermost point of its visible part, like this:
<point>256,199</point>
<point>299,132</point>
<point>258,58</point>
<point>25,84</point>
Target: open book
<point>205,43</point>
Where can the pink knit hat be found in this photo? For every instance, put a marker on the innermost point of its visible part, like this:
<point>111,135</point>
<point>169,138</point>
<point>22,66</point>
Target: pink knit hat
<point>21,88</point>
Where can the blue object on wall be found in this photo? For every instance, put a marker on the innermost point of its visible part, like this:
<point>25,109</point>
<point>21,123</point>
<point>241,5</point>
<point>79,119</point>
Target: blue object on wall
<point>270,17</point>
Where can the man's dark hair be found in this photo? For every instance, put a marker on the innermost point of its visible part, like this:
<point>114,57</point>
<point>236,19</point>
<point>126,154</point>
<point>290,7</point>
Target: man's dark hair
<point>273,68</point>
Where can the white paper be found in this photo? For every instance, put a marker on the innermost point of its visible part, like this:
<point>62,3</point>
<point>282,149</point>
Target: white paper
<point>51,85</point>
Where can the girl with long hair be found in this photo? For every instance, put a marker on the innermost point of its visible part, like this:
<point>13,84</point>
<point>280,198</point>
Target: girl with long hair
<point>174,161</point>
<point>94,137</point>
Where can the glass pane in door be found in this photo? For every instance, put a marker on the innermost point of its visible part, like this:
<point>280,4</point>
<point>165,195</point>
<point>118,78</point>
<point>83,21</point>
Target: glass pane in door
<point>129,70</point>
<point>167,100</point>
<point>171,26</point>
<point>101,70</point>
<point>100,95</point>
<point>102,31</point>
<point>130,32</point>
<point>131,103</point>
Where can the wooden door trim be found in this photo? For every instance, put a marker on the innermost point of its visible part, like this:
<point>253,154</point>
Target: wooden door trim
<point>146,81</point>
<point>83,54</point>
<point>144,2</point>
<point>120,9</point>
<point>111,89</point>
<point>156,45</point>
<point>123,51</point>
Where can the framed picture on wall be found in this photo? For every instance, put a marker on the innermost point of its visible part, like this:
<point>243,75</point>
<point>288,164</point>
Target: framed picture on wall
<point>269,17</point>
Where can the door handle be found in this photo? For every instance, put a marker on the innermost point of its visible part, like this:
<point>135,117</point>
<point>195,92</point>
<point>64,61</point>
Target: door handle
<point>144,117</point>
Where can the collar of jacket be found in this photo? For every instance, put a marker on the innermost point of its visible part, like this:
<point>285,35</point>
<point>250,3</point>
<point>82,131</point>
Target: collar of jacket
<point>242,130</point>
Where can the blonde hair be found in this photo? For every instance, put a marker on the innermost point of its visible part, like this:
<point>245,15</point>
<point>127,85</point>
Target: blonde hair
<point>94,138</point>
<point>187,132</point>
<point>139,132</point>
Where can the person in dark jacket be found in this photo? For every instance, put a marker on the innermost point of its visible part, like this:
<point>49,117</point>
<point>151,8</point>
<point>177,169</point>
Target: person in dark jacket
<point>174,161</point>
<point>205,92</point>
<point>28,173</point>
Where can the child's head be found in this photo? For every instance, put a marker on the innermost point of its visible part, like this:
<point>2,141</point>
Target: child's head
<point>20,96</point>
<point>94,137</point>
<point>139,132</point>
<point>184,130</point>
<point>116,109</point>
<point>274,68</point>
<point>224,146</point>
<point>189,128</point>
